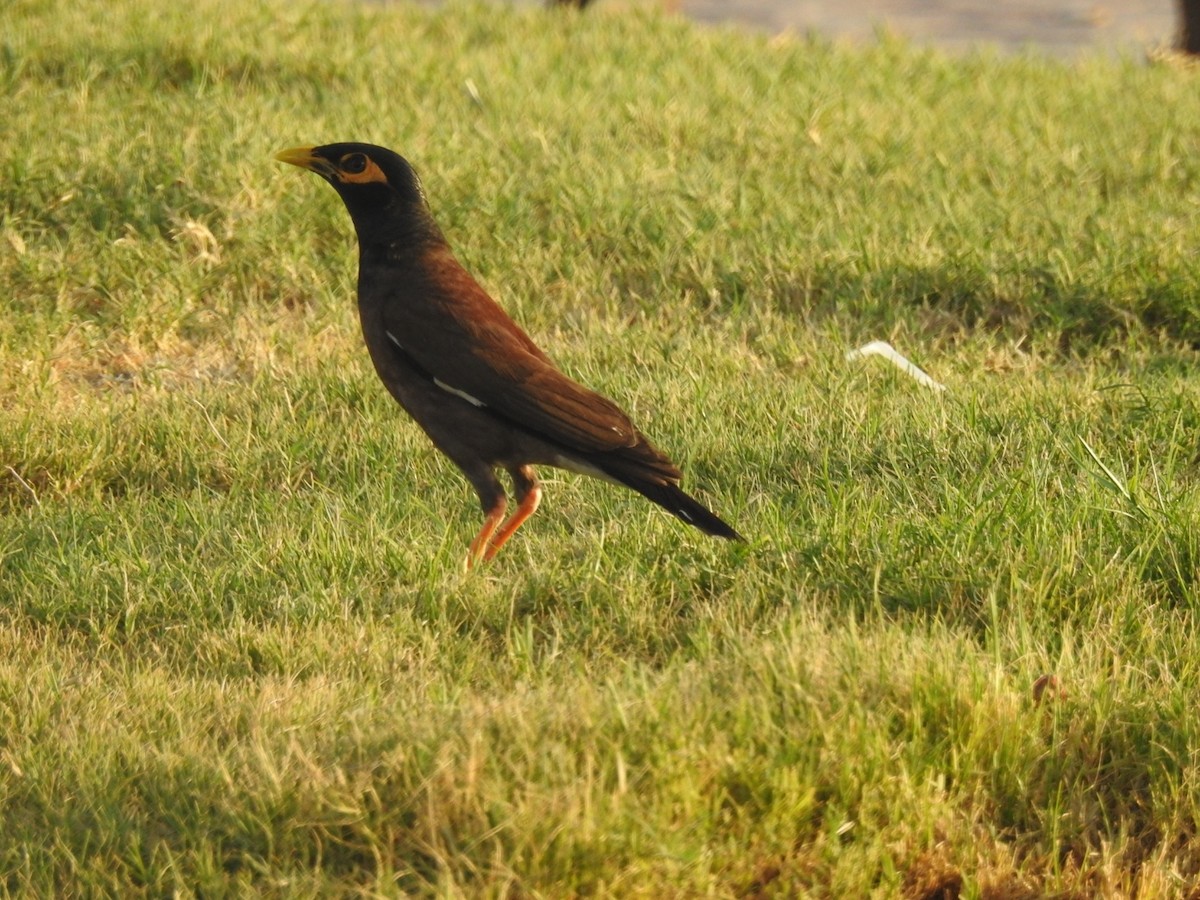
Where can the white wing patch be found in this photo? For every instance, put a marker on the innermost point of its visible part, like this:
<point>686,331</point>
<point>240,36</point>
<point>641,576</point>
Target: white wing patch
<point>474,401</point>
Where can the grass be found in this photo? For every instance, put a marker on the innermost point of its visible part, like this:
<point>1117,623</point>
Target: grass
<point>238,653</point>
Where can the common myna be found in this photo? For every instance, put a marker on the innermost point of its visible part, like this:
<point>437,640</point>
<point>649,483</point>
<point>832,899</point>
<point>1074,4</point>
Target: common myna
<point>482,390</point>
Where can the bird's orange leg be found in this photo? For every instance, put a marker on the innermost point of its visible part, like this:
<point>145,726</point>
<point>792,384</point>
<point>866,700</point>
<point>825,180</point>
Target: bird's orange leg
<point>530,494</point>
<point>490,523</point>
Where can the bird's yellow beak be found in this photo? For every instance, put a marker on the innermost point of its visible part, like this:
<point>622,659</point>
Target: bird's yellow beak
<point>305,159</point>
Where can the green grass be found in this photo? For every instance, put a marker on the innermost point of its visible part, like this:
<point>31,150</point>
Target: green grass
<point>237,651</point>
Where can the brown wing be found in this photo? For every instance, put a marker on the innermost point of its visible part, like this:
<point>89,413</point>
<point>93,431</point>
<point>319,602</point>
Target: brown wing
<point>457,333</point>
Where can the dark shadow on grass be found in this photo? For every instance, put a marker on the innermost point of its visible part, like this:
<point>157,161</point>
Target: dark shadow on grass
<point>164,67</point>
<point>958,298</point>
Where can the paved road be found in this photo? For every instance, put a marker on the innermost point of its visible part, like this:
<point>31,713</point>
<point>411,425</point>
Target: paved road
<point>1059,27</point>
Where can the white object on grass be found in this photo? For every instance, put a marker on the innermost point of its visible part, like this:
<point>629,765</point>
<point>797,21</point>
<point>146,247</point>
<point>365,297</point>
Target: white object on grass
<point>888,352</point>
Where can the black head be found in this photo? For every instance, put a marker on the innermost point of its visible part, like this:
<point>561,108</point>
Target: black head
<point>380,189</point>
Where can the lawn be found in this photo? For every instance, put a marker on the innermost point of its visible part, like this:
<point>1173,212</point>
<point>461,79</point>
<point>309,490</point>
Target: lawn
<point>238,652</point>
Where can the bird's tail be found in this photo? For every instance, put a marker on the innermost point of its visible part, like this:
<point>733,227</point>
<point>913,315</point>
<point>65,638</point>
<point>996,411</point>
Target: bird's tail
<point>646,470</point>
<point>683,506</point>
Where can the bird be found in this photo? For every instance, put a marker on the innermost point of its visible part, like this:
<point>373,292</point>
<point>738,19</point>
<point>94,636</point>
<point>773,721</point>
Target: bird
<point>485,394</point>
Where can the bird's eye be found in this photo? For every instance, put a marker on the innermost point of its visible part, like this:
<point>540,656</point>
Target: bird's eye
<point>353,163</point>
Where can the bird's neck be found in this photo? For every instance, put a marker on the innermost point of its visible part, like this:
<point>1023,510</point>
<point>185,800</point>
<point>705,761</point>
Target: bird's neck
<point>391,236</point>
<point>399,246</point>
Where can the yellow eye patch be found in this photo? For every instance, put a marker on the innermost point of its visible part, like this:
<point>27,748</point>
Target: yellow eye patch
<point>370,173</point>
